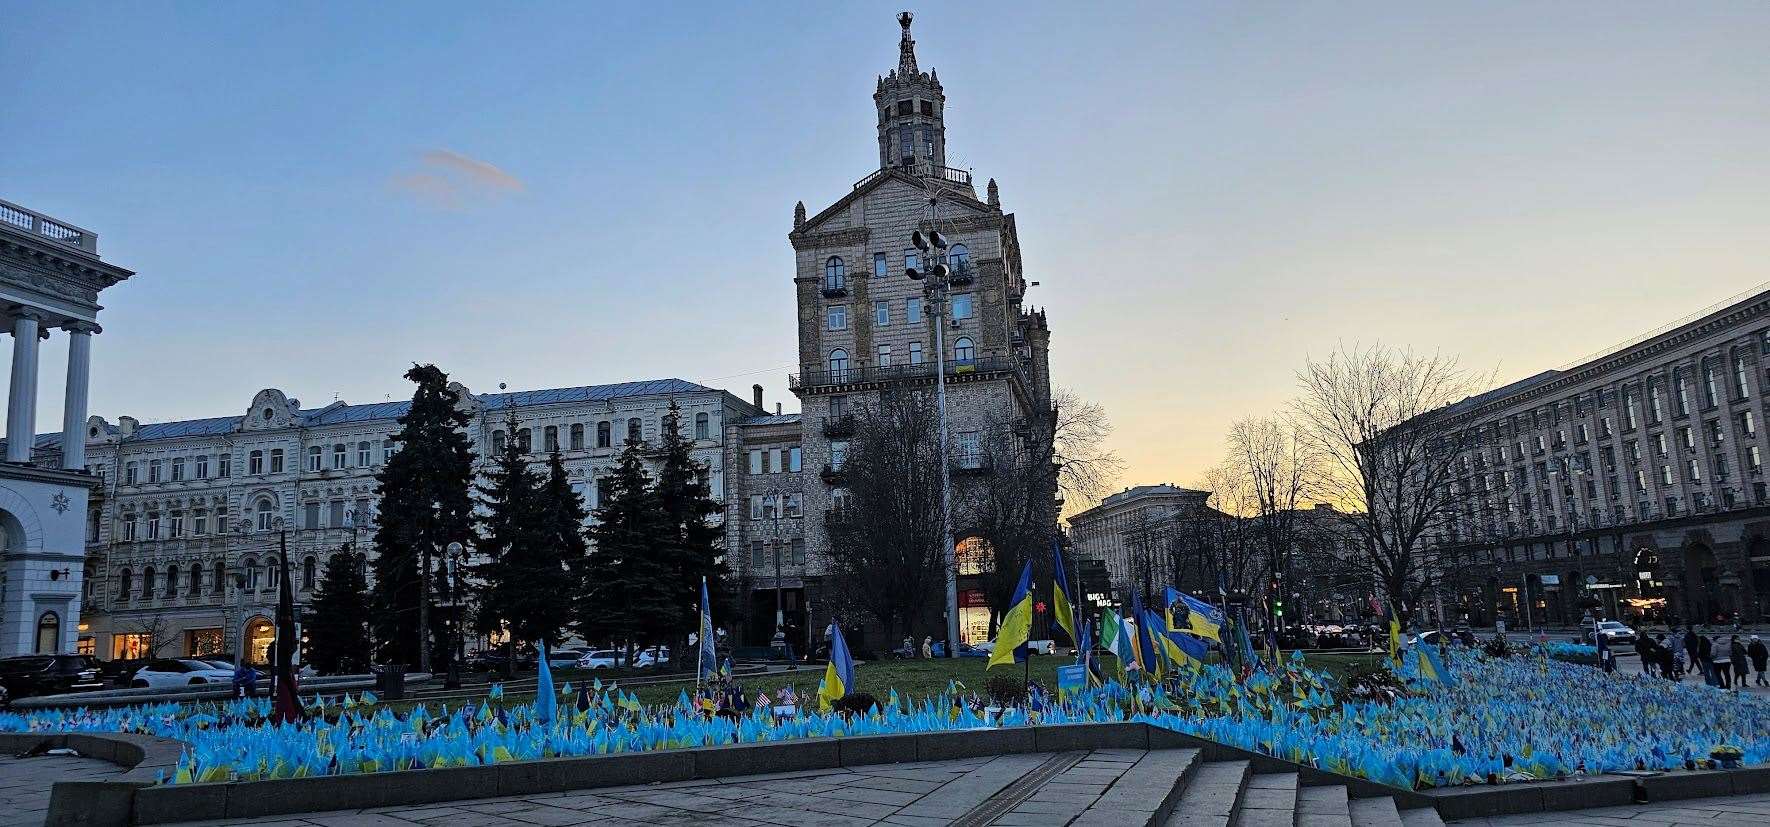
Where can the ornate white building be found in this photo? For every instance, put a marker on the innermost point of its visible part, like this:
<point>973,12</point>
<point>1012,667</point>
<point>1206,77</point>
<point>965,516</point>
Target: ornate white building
<point>50,278</point>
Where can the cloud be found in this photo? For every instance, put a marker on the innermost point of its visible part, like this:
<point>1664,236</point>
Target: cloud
<point>450,180</point>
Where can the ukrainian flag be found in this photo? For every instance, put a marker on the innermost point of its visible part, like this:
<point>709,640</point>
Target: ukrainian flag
<point>1431,667</point>
<point>1016,626</point>
<point>1394,637</point>
<point>1179,648</point>
<point>1202,618</point>
<point>1062,607</point>
<point>1146,636</point>
<point>839,675</point>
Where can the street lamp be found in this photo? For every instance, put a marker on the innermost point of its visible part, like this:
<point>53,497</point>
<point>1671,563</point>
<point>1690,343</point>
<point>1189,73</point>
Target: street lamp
<point>453,679</point>
<point>780,611</point>
<point>936,282</point>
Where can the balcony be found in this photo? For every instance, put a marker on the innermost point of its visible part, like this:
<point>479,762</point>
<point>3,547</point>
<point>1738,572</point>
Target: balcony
<point>964,273</point>
<point>831,475</point>
<point>921,170</point>
<point>839,426</point>
<point>972,465</point>
<point>835,290</point>
<point>43,226</point>
<point>895,373</point>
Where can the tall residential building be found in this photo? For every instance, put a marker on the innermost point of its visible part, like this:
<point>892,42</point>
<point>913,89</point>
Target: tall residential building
<point>866,328</point>
<point>1632,482</point>
<point>50,280</point>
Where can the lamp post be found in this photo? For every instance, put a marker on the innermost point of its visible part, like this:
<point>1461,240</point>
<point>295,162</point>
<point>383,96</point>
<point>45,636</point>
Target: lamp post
<point>453,679</point>
<point>780,610</point>
<point>935,278</point>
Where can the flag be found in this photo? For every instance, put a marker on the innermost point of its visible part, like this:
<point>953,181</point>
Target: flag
<point>1394,636</point>
<point>708,662</point>
<point>839,674</point>
<point>1431,667</point>
<point>286,709</point>
<point>1202,619</point>
<point>1062,607</point>
<point>1113,639</point>
<point>1085,654</point>
<point>1145,640</point>
<point>1016,625</point>
<point>1173,649</point>
<point>1245,659</point>
<point>546,699</point>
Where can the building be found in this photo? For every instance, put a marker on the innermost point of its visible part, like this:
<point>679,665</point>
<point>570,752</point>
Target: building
<point>50,278</point>
<point>1136,533</point>
<point>865,327</point>
<point>1631,483</point>
<point>187,519</point>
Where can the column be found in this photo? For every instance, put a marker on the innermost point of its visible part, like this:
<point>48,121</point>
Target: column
<point>73,416</point>
<point>21,400</point>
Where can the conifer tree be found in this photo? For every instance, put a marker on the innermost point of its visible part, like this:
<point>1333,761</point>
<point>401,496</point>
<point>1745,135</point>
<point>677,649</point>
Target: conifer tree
<point>337,621</point>
<point>526,584</point>
<point>626,596</point>
<point>690,542</point>
<point>426,503</point>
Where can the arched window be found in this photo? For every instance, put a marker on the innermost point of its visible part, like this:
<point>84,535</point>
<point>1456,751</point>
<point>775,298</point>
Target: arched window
<point>525,440</point>
<point>266,511</point>
<point>634,431</point>
<point>340,456</point>
<point>307,573</point>
<point>497,442</point>
<point>196,586</point>
<point>1741,387</point>
<point>313,457</point>
<point>272,573</point>
<point>255,462</point>
<point>550,438</point>
<point>218,583</point>
<point>48,633</point>
<point>835,274</point>
<point>171,581</point>
<point>1711,383</point>
<point>147,582</point>
<point>958,258</point>
<point>577,436</point>
<point>838,365</point>
<point>87,587</point>
<point>249,567</point>
<point>703,426</point>
<point>125,584</point>
<point>603,435</point>
<point>963,351</point>
<point>363,454</point>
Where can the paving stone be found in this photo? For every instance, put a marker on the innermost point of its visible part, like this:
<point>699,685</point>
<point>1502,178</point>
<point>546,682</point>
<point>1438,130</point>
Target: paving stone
<point>1374,812</point>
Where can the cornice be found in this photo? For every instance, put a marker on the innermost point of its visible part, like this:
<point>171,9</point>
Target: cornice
<point>849,237</point>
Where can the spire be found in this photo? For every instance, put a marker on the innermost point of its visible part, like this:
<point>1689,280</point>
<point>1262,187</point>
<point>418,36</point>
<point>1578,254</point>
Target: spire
<point>798,215</point>
<point>995,196</point>
<point>906,48</point>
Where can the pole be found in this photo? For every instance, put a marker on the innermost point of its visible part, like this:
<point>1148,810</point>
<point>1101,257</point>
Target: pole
<point>937,304</point>
<point>424,610</point>
<point>780,606</point>
<point>1527,623</point>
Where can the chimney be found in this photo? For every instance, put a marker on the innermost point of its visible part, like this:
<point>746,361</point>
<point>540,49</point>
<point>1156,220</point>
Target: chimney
<point>756,395</point>
<point>126,426</point>
<point>777,409</point>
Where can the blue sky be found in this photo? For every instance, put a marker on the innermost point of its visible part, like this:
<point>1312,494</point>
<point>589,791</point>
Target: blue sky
<point>316,195</point>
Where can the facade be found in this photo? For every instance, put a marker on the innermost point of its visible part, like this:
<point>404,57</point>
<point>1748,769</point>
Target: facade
<point>1132,533</point>
<point>865,327</point>
<point>1632,484</point>
<point>188,518</point>
<point>50,280</point>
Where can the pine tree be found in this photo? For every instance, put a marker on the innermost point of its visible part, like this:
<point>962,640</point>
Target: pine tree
<point>690,542</point>
<point>337,621</point>
<point>426,503</point>
<point>625,595</point>
<point>561,524</point>
<point>527,585</point>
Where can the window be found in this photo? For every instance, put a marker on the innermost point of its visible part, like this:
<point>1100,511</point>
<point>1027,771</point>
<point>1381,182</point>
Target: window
<point>224,465</point>
<point>125,584</point>
<point>48,634</point>
<point>911,260</point>
<point>310,516</point>
<point>912,311</point>
<point>958,257</point>
<point>265,513</point>
<point>879,265</point>
<point>835,274</point>
<point>963,351</point>
<point>177,525</point>
<point>388,447</point>
<point>276,460</point>
<point>1755,460</point>
<point>1629,412</point>
<point>906,147</point>
<point>128,473</point>
<point>202,466</point>
<point>1665,475</point>
<point>1686,439</point>
<point>1659,446</point>
<point>962,306</point>
<point>882,313</point>
<point>1656,410</point>
<point>147,582</point>
<point>1695,469</point>
<point>153,525</point>
<point>336,512</point>
<point>497,442</point>
<point>915,353</point>
<point>755,461</point>
<point>550,438</point>
<point>221,520</point>
<point>364,454</point>
<point>308,567</point>
<point>838,365</point>
<point>1721,467</point>
<point>218,583</point>
<point>1748,424</point>
<point>1741,387</point>
<point>793,458</point>
<point>838,454</point>
<point>525,440</point>
<point>1711,385</point>
<point>758,558</point>
<point>249,568</point>
<point>577,436</point>
<point>153,470</point>
<point>927,141</point>
<point>633,432</point>
<point>884,356</point>
<point>838,317</point>
<point>1683,393</point>
<point>756,506</point>
<point>798,551</point>
<point>703,426</point>
<point>200,523</point>
<point>172,581</point>
<point>314,457</point>
<point>603,438</point>
<point>970,452</point>
<point>196,585</point>
<point>794,506</point>
<point>177,469</point>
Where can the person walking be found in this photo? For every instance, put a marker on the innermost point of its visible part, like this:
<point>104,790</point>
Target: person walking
<point>1721,655</point>
<point>1760,656</point>
<point>1740,664</point>
<point>1705,659</point>
<point>1677,656</point>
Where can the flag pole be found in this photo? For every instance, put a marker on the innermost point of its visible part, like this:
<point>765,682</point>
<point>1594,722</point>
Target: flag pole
<point>700,649</point>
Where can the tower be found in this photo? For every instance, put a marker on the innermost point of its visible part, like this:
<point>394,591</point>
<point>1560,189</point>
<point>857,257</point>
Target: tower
<point>912,107</point>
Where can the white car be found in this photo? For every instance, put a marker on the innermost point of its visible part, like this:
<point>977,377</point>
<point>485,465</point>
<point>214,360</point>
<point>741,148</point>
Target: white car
<point>565,658</point>
<point>180,672</point>
<point>1615,632</point>
<point>652,656</point>
<point>599,659</point>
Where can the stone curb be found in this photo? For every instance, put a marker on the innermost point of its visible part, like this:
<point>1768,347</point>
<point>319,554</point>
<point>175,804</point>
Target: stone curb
<point>147,759</point>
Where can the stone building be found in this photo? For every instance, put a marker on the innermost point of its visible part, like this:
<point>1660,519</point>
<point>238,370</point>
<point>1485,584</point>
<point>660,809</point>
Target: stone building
<point>864,327</point>
<point>50,280</point>
<point>1134,531</point>
<point>1631,483</point>
<point>186,522</point>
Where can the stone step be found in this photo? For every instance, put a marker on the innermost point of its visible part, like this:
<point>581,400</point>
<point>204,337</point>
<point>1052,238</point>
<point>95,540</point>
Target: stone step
<point>1421,817</point>
<point>1374,812</point>
<point>1323,807</point>
<point>1269,801</point>
<point>1211,795</point>
<point>1145,794</point>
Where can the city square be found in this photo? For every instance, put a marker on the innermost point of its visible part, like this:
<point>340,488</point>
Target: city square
<point>1430,566</point>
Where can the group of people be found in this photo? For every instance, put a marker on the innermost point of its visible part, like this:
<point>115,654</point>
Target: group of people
<point>1725,663</point>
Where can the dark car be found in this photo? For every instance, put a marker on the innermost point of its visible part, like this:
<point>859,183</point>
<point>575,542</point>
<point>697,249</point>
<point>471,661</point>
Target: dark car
<point>118,672</point>
<point>49,674</point>
<point>492,660</point>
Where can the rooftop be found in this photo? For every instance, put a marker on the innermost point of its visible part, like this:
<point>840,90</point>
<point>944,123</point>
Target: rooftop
<point>43,226</point>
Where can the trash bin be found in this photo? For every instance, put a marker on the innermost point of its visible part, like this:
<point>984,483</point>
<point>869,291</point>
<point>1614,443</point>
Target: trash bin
<point>391,682</point>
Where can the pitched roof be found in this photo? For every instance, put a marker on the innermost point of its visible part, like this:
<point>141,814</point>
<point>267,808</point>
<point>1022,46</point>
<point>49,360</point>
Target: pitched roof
<point>771,419</point>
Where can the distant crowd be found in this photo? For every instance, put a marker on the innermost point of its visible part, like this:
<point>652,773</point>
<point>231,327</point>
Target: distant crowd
<point>1725,661</point>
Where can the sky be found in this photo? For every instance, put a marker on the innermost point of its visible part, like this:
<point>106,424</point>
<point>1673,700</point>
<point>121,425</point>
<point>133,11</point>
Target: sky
<point>316,195</point>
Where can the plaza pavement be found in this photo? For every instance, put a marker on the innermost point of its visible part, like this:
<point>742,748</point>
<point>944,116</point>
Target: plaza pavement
<point>24,784</point>
<point>1735,811</point>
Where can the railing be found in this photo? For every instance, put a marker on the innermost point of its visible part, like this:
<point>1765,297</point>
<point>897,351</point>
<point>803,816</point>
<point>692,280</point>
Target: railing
<point>839,425</point>
<point>892,373</point>
<point>41,225</point>
<point>942,173</point>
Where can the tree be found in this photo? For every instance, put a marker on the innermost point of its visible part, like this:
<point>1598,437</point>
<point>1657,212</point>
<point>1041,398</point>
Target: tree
<point>1277,466</point>
<point>337,621</point>
<point>690,541</point>
<point>626,594</point>
<point>426,503</point>
<point>1382,422</point>
<point>525,571</point>
<point>885,533</point>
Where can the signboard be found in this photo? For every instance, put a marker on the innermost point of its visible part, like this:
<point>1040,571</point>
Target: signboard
<point>1071,679</point>
<point>1551,579</point>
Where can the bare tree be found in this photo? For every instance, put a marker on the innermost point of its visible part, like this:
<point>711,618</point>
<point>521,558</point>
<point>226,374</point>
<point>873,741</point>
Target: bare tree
<point>885,535</point>
<point>1277,466</point>
<point>156,632</point>
<point>1380,419</point>
<point>1076,446</point>
<point>1234,552</point>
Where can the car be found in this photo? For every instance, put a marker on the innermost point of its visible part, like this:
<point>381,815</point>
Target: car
<point>492,660</point>
<point>599,659</point>
<point>117,672</point>
<point>1614,632</point>
<point>1433,637</point>
<point>564,657</point>
<point>966,650</point>
<point>655,656</point>
<point>168,672</point>
<point>49,674</point>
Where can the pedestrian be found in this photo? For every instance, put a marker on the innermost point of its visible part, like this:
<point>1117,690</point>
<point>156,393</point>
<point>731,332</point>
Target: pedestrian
<point>1705,659</point>
<point>1721,655</point>
<point>1690,648</point>
<point>1678,656</point>
<point>1760,659</point>
<point>1644,651</point>
<point>1741,666</point>
<point>927,647</point>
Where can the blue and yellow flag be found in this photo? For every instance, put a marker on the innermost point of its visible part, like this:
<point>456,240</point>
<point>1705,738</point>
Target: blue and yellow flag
<point>1145,638</point>
<point>1016,625</point>
<point>1062,607</point>
<point>1177,647</point>
<point>546,702</point>
<point>1431,667</point>
<point>1202,619</point>
<point>839,674</point>
<point>1394,636</point>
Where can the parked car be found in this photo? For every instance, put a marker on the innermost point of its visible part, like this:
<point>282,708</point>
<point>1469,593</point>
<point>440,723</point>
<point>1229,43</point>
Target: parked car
<point>565,657</point>
<point>118,672</point>
<point>49,674</point>
<point>1614,632</point>
<point>965,650</point>
<point>5,697</point>
<point>599,659</point>
<point>180,672</point>
<point>655,656</point>
<point>492,660</point>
